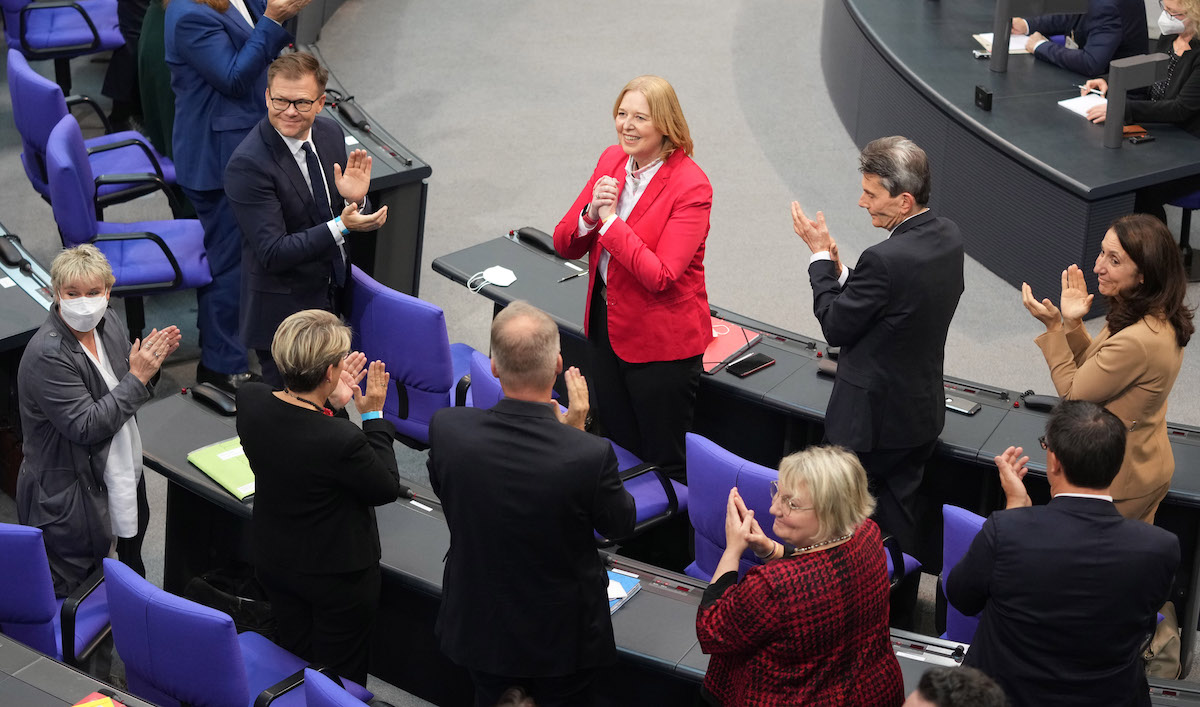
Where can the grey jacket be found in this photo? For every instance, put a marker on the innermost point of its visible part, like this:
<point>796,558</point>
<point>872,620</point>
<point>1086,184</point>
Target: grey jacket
<point>68,419</point>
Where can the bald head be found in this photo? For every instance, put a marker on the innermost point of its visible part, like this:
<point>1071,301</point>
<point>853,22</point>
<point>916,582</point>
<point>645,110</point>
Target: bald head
<point>525,349</point>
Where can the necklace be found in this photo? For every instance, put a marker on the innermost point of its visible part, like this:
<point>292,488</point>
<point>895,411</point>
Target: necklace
<point>323,410</point>
<point>823,543</point>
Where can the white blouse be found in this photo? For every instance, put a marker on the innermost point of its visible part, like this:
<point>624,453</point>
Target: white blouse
<point>123,468</point>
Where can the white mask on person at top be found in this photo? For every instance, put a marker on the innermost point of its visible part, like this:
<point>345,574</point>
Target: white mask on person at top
<point>1169,25</point>
<point>83,313</point>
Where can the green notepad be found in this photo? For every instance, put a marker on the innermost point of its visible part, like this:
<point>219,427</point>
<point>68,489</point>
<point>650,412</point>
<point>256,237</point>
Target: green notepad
<point>226,463</point>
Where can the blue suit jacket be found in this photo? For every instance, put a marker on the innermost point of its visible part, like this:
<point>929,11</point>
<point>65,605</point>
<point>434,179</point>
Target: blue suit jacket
<point>891,319</point>
<point>219,76</point>
<point>288,253</point>
<point>1111,29</point>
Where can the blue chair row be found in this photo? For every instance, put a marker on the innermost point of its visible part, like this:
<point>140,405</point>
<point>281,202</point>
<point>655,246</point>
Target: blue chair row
<point>712,471</point>
<point>656,497</point>
<point>61,30</point>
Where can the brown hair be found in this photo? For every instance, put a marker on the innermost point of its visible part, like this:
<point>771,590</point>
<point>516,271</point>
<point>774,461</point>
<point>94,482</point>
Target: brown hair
<point>1163,289</point>
<point>218,5</point>
<point>525,346</point>
<point>297,65</point>
<point>665,112</point>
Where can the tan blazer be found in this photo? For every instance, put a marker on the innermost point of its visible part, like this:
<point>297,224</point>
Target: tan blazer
<point>1131,374</point>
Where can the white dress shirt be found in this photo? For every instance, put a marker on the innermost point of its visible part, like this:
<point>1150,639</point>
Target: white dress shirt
<point>240,6</point>
<point>123,467</point>
<point>635,185</point>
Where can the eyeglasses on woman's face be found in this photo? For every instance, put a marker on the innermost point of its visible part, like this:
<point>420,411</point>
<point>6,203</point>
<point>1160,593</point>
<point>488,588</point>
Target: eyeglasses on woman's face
<point>786,502</point>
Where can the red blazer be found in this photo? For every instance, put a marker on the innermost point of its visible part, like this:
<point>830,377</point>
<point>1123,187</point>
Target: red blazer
<point>657,304</point>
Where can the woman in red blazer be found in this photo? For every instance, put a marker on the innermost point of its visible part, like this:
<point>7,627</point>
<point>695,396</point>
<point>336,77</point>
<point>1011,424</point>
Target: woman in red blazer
<point>642,219</point>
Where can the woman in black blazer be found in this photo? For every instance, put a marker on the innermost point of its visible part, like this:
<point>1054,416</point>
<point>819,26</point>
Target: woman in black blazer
<point>317,478</point>
<point>1174,100</point>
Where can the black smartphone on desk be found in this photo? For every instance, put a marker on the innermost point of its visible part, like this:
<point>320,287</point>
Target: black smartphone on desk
<point>750,363</point>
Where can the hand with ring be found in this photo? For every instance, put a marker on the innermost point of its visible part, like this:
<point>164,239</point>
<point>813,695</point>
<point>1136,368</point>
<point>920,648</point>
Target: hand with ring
<point>146,355</point>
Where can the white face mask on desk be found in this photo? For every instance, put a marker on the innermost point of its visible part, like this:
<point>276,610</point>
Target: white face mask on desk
<point>83,313</point>
<point>1169,25</point>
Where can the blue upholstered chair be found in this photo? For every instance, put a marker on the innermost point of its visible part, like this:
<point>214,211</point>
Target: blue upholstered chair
<point>320,691</point>
<point>712,471</point>
<point>409,335</point>
<point>1188,204</point>
<point>61,30</point>
<point>649,488</point>
<point>177,651</point>
<point>64,629</point>
<point>38,106</point>
<point>147,257</point>
<point>959,528</point>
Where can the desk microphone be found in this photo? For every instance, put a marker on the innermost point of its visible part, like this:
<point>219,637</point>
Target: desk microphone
<point>13,258</point>
<point>358,119</point>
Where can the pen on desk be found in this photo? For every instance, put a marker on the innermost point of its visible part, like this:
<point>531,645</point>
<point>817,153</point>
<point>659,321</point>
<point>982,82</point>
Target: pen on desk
<point>1090,90</point>
<point>576,274</point>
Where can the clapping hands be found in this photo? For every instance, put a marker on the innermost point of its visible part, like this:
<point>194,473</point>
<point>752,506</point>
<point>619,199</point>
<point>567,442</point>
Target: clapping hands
<point>577,400</point>
<point>1011,466</point>
<point>742,530</point>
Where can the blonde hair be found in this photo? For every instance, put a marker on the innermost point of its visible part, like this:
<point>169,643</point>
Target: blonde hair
<point>306,344</point>
<point>83,263</point>
<point>665,112</point>
<point>837,483</point>
<point>525,346</point>
<point>1191,8</point>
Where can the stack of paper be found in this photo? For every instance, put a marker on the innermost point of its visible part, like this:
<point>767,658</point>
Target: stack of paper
<point>1016,42</point>
<point>1082,104</point>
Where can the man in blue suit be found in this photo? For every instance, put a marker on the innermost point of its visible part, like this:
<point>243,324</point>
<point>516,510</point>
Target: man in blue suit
<point>218,52</point>
<point>295,205</point>
<point>1110,29</point>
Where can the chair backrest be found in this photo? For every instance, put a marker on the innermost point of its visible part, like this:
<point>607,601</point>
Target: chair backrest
<point>172,647</point>
<point>959,528</point>
<point>485,388</point>
<point>409,335</point>
<point>72,186</point>
<point>320,691</point>
<point>12,20</point>
<point>27,603</point>
<point>712,471</point>
<point>37,106</point>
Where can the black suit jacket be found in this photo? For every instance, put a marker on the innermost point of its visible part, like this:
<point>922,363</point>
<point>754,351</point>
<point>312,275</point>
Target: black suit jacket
<point>891,319</point>
<point>1069,591</point>
<point>1110,29</point>
<point>316,482</point>
<point>525,590</point>
<point>288,253</point>
<point>1181,103</point>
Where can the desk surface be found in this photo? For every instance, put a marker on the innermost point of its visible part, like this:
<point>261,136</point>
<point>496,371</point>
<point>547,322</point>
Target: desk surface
<point>930,43</point>
<point>30,679</point>
<point>792,386</point>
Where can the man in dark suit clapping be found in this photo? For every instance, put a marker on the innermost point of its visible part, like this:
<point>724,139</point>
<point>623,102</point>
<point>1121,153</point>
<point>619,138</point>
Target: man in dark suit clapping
<point>296,196</point>
<point>524,597</point>
<point>890,317</point>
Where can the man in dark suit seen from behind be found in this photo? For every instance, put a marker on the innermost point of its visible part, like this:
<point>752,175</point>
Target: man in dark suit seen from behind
<point>1110,29</point>
<point>295,204</point>
<point>890,316</point>
<point>524,598</point>
<point>1068,591</point>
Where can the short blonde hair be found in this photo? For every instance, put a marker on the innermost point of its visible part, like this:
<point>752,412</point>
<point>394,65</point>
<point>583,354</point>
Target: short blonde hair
<point>306,344</point>
<point>837,483</point>
<point>1191,8</point>
<point>665,112</point>
<point>83,263</point>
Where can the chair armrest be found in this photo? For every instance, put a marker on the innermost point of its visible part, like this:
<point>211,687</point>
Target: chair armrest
<point>129,143</point>
<point>88,101</point>
<point>892,546</point>
<point>280,688</point>
<point>145,178</point>
<point>57,5</point>
<point>460,391</point>
<point>157,240</point>
<point>69,609</point>
<point>670,511</point>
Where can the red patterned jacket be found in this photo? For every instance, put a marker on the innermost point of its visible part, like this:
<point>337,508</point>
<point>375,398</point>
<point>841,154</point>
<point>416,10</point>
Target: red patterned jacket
<point>805,630</point>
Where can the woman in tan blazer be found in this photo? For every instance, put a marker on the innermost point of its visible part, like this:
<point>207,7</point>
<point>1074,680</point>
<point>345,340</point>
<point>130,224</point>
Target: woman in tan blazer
<point>1131,365</point>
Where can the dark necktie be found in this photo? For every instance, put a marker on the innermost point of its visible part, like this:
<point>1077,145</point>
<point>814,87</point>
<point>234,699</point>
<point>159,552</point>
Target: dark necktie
<point>322,198</point>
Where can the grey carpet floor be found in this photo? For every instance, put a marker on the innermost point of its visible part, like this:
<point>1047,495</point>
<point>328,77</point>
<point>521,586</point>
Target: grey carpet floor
<point>511,105</point>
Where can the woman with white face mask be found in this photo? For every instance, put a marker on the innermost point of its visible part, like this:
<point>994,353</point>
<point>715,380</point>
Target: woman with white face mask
<point>80,384</point>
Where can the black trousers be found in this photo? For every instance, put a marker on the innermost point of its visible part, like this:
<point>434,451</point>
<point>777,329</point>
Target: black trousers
<point>644,407</point>
<point>129,550</point>
<point>574,690</point>
<point>893,477</point>
<point>325,618</point>
<point>270,371</point>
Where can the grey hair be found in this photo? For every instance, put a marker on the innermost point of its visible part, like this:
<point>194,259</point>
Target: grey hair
<point>900,165</point>
<point>525,346</point>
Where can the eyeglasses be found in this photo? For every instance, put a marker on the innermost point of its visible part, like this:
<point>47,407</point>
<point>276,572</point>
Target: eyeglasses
<point>1042,441</point>
<point>1177,15</point>
<point>302,104</point>
<point>786,501</point>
